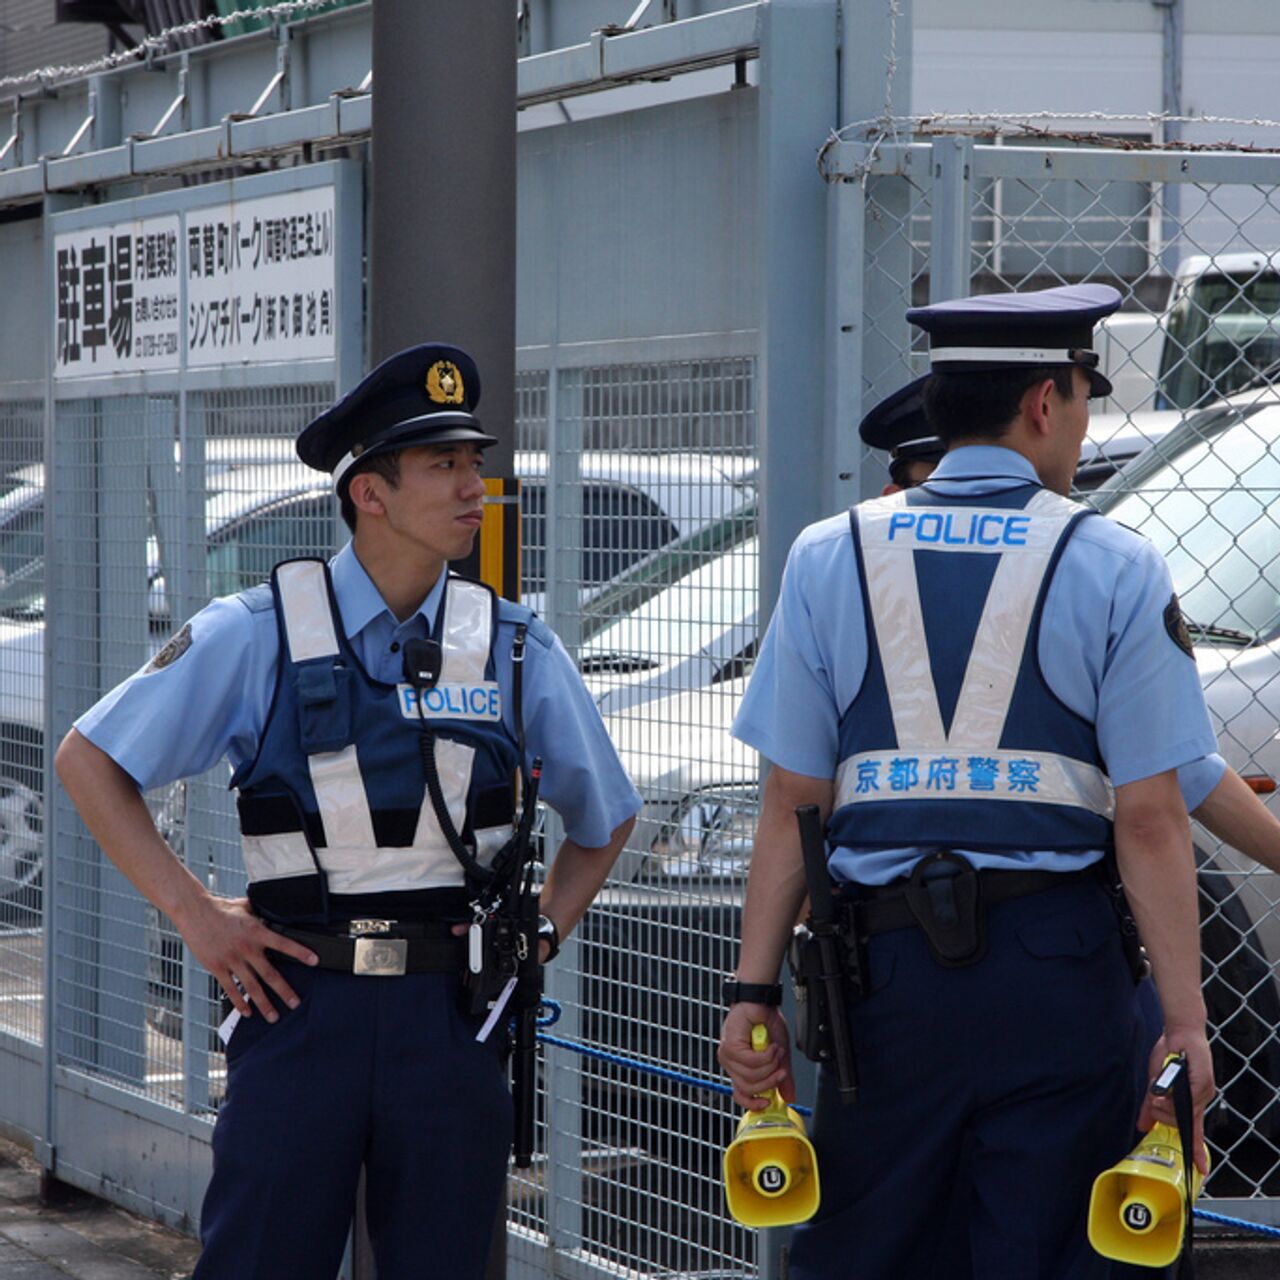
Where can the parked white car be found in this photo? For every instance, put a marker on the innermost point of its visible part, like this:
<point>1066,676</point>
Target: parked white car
<point>632,504</point>
<point>697,631</point>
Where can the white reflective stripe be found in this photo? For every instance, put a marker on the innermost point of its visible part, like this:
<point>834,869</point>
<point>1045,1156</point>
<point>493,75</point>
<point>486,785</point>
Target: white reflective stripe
<point>277,857</point>
<point>308,619</point>
<point>341,800</point>
<point>1040,777</point>
<point>355,870</point>
<point>388,870</point>
<point>1001,639</point>
<point>465,635</point>
<point>899,626</point>
<point>453,764</point>
<point>1011,355</point>
<point>490,840</point>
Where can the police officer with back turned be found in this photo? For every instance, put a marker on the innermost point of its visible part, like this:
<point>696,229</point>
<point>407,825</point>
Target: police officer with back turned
<point>953,675</point>
<point>375,711</point>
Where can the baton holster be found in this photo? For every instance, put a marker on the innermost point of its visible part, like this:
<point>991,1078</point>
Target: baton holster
<point>812,986</point>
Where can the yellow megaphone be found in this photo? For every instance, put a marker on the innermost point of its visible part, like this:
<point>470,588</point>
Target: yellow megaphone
<point>1137,1212</point>
<point>770,1169</point>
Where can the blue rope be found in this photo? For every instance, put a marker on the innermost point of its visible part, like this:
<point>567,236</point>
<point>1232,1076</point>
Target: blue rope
<point>1209,1216</point>
<point>602,1055</point>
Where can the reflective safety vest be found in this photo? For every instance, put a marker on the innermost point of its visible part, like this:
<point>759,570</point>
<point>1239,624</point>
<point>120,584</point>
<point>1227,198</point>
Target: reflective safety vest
<point>336,802</point>
<point>955,739</point>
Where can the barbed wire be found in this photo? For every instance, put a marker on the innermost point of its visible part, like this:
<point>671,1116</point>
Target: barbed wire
<point>1043,125</point>
<point>158,43</point>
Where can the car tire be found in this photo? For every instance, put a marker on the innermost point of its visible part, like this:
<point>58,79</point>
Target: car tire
<point>21,825</point>
<point>1243,1125</point>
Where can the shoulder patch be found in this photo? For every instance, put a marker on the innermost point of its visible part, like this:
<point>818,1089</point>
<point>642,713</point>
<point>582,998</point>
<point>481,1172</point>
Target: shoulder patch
<point>177,646</point>
<point>257,599</point>
<point>1176,625</point>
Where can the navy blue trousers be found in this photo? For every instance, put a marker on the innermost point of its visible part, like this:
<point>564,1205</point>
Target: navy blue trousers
<point>991,1096</point>
<point>380,1072</point>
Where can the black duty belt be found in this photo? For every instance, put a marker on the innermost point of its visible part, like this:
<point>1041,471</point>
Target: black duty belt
<point>883,908</point>
<point>385,948</point>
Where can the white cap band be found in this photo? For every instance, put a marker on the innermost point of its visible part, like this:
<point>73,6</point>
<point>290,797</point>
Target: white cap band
<point>1006,355</point>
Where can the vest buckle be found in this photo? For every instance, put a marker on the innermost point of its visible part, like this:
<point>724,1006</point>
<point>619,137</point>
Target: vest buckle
<point>381,957</point>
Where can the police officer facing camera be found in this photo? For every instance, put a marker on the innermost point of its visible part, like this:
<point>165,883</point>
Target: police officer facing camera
<point>951,675</point>
<point>375,712</point>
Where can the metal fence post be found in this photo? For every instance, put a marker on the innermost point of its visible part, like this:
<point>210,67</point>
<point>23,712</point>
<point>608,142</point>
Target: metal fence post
<point>950,226</point>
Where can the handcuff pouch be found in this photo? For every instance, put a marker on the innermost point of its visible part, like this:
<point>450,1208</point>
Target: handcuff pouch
<point>944,895</point>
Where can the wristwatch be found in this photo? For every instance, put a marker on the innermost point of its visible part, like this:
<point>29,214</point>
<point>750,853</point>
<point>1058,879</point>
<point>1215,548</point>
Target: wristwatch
<point>736,992</point>
<point>548,932</point>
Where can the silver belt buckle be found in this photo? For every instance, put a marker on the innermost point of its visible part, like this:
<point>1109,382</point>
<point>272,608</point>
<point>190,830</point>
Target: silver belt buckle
<point>381,957</point>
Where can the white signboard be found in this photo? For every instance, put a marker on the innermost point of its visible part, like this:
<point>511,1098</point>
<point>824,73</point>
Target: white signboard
<point>116,298</point>
<point>260,279</point>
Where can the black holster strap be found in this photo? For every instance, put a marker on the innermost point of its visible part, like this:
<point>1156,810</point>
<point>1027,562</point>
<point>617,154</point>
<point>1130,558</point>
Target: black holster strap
<point>889,908</point>
<point>423,955</point>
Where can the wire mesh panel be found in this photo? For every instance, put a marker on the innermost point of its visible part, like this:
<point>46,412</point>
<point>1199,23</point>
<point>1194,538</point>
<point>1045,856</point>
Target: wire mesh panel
<point>1190,242</point>
<point>640,549</point>
<point>164,503</point>
<point>21,714</point>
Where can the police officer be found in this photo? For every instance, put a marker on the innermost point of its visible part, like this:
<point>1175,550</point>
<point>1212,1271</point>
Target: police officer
<point>377,806</point>
<point>1214,793</point>
<point>946,675</point>
<point>898,425</point>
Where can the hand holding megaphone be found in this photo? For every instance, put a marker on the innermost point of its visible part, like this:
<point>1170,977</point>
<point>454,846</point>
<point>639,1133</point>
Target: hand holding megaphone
<point>770,1169</point>
<point>1158,1104</point>
<point>755,1072</point>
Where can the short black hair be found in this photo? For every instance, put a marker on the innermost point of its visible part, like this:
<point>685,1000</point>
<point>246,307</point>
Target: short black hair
<point>982,405</point>
<point>387,465</point>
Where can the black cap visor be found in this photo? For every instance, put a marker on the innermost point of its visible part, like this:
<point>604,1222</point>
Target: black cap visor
<point>451,427</point>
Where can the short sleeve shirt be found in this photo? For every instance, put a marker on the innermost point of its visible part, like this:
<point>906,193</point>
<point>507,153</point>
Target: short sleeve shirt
<point>213,699</point>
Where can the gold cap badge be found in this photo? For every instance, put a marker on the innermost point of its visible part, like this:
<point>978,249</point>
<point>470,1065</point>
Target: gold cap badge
<point>444,383</point>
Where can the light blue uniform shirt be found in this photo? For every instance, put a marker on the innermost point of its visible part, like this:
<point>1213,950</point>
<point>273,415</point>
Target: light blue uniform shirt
<point>1119,669</point>
<point>214,699</point>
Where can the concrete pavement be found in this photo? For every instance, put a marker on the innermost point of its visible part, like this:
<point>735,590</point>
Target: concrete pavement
<point>79,1236</point>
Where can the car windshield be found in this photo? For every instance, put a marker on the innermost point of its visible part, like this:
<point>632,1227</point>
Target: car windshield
<point>1222,331</point>
<point>687,616</point>
<point>1211,512</point>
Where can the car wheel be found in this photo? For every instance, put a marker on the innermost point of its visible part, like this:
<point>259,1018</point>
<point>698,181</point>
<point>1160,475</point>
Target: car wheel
<point>21,824</point>
<point>1243,1125</point>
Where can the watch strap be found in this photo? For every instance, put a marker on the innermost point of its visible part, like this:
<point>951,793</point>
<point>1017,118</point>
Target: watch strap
<point>768,993</point>
<point>549,931</point>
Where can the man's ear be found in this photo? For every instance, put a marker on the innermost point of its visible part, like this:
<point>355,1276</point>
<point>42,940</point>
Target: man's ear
<point>890,488</point>
<point>365,494</point>
<point>1036,405</point>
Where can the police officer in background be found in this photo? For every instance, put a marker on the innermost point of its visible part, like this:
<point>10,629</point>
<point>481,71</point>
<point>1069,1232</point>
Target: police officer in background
<point>950,675</point>
<point>376,799</point>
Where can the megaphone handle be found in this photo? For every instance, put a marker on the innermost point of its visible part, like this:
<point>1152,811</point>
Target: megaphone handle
<point>760,1042</point>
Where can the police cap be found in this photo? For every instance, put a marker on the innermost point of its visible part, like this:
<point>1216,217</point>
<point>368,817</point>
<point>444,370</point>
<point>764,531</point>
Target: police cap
<point>1007,330</point>
<point>898,424</point>
<point>424,395</point>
